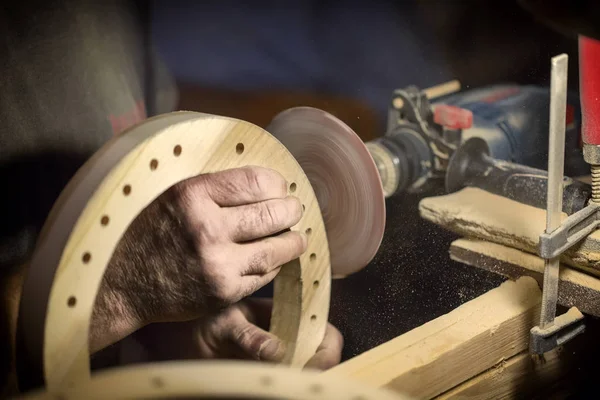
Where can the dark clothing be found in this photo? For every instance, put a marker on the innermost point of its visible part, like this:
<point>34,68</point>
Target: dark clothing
<point>72,74</point>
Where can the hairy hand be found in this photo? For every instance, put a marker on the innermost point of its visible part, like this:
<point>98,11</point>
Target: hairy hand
<point>238,332</point>
<point>203,245</point>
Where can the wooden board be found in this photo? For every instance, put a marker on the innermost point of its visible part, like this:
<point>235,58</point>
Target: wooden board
<point>212,380</point>
<point>64,282</point>
<point>476,213</point>
<point>439,355</point>
<point>556,375</point>
<point>519,377</point>
<point>575,288</point>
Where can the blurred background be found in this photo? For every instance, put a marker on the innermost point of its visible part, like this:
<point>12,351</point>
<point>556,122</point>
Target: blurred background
<point>253,59</point>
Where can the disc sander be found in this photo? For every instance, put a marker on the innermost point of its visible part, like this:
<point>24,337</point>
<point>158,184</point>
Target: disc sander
<point>345,180</point>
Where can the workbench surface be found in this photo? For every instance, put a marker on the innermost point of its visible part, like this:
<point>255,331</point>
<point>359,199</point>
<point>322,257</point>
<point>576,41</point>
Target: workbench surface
<point>410,282</point>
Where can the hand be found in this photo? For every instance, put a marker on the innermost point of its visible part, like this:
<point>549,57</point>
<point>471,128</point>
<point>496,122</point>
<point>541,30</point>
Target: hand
<point>203,245</point>
<point>238,332</point>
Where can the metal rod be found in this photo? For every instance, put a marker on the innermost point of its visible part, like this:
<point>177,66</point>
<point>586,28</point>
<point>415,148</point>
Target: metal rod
<point>442,89</point>
<point>556,161</point>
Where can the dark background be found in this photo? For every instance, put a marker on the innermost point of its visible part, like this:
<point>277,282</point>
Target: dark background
<point>347,57</point>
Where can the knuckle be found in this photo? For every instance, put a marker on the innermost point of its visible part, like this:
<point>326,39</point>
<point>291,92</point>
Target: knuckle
<point>266,181</point>
<point>255,179</point>
<point>208,233</point>
<point>268,254</point>
<point>262,258</point>
<point>270,214</point>
<point>224,292</point>
<point>221,285</point>
<point>185,192</point>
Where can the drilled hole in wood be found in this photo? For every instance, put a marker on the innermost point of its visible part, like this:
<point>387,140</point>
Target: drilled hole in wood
<point>313,257</point>
<point>126,190</point>
<point>266,381</point>
<point>316,388</point>
<point>104,220</point>
<point>157,382</point>
<point>303,207</point>
<point>153,164</point>
<point>239,148</point>
<point>86,257</point>
<point>293,187</point>
<point>313,318</point>
<point>177,150</point>
<point>72,301</point>
<point>316,284</point>
<point>308,231</point>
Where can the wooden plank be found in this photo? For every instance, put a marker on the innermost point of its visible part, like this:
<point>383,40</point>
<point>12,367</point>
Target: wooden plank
<point>524,376</point>
<point>476,213</point>
<point>439,355</point>
<point>519,377</point>
<point>574,289</point>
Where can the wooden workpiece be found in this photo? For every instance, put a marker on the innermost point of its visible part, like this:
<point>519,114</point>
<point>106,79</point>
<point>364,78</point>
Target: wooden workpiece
<point>111,189</point>
<point>441,354</point>
<point>475,213</point>
<point>524,376</point>
<point>212,380</point>
<point>575,288</point>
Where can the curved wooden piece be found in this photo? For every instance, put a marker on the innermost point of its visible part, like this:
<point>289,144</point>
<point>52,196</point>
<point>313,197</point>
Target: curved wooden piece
<point>105,196</point>
<point>215,379</point>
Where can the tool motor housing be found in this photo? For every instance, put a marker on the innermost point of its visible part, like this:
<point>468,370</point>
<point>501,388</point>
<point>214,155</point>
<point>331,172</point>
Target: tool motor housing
<point>511,119</point>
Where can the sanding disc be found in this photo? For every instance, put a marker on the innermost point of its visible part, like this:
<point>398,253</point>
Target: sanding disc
<point>345,180</point>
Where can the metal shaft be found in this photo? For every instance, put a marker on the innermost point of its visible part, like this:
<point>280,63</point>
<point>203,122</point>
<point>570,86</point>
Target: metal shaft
<point>556,160</point>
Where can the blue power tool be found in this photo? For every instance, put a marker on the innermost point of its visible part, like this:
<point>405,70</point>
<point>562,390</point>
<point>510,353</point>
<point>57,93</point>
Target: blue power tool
<point>505,127</point>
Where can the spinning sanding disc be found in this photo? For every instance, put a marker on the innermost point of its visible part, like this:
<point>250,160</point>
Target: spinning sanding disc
<point>345,180</point>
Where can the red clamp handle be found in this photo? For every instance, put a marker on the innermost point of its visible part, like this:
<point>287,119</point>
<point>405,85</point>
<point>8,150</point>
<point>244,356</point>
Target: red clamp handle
<point>589,87</point>
<point>452,117</point>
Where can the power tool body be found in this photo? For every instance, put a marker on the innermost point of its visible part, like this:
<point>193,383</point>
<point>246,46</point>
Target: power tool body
<point>511,120</point>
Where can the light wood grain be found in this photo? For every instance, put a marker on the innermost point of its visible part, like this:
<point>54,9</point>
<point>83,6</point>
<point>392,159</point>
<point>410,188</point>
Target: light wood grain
<point>476,213</point>
<point>445,352</point>
<point>519,377</point>
<point>208,144</point>
<point>215,379</point>
<point>556,375</point>
<point>575,288</point>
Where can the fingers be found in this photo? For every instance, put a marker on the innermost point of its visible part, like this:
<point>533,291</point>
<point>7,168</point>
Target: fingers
<point>266,255</point>
<point>252,283</point>
<point>240,186</point>
<point>253,221</point>
<point>256,344</point>
<point>329,353</point>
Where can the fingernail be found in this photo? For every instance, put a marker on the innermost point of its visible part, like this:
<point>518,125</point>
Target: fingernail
<point>271,350</point>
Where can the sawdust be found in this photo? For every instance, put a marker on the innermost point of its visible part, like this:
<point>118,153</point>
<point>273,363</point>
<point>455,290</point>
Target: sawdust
<point>494,329</point>
<point>498,369</point>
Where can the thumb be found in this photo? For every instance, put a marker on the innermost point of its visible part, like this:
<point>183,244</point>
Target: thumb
<point>258,344</point>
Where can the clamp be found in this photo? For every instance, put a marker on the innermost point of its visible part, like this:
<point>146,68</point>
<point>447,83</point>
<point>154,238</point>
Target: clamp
<point>562,235</point>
